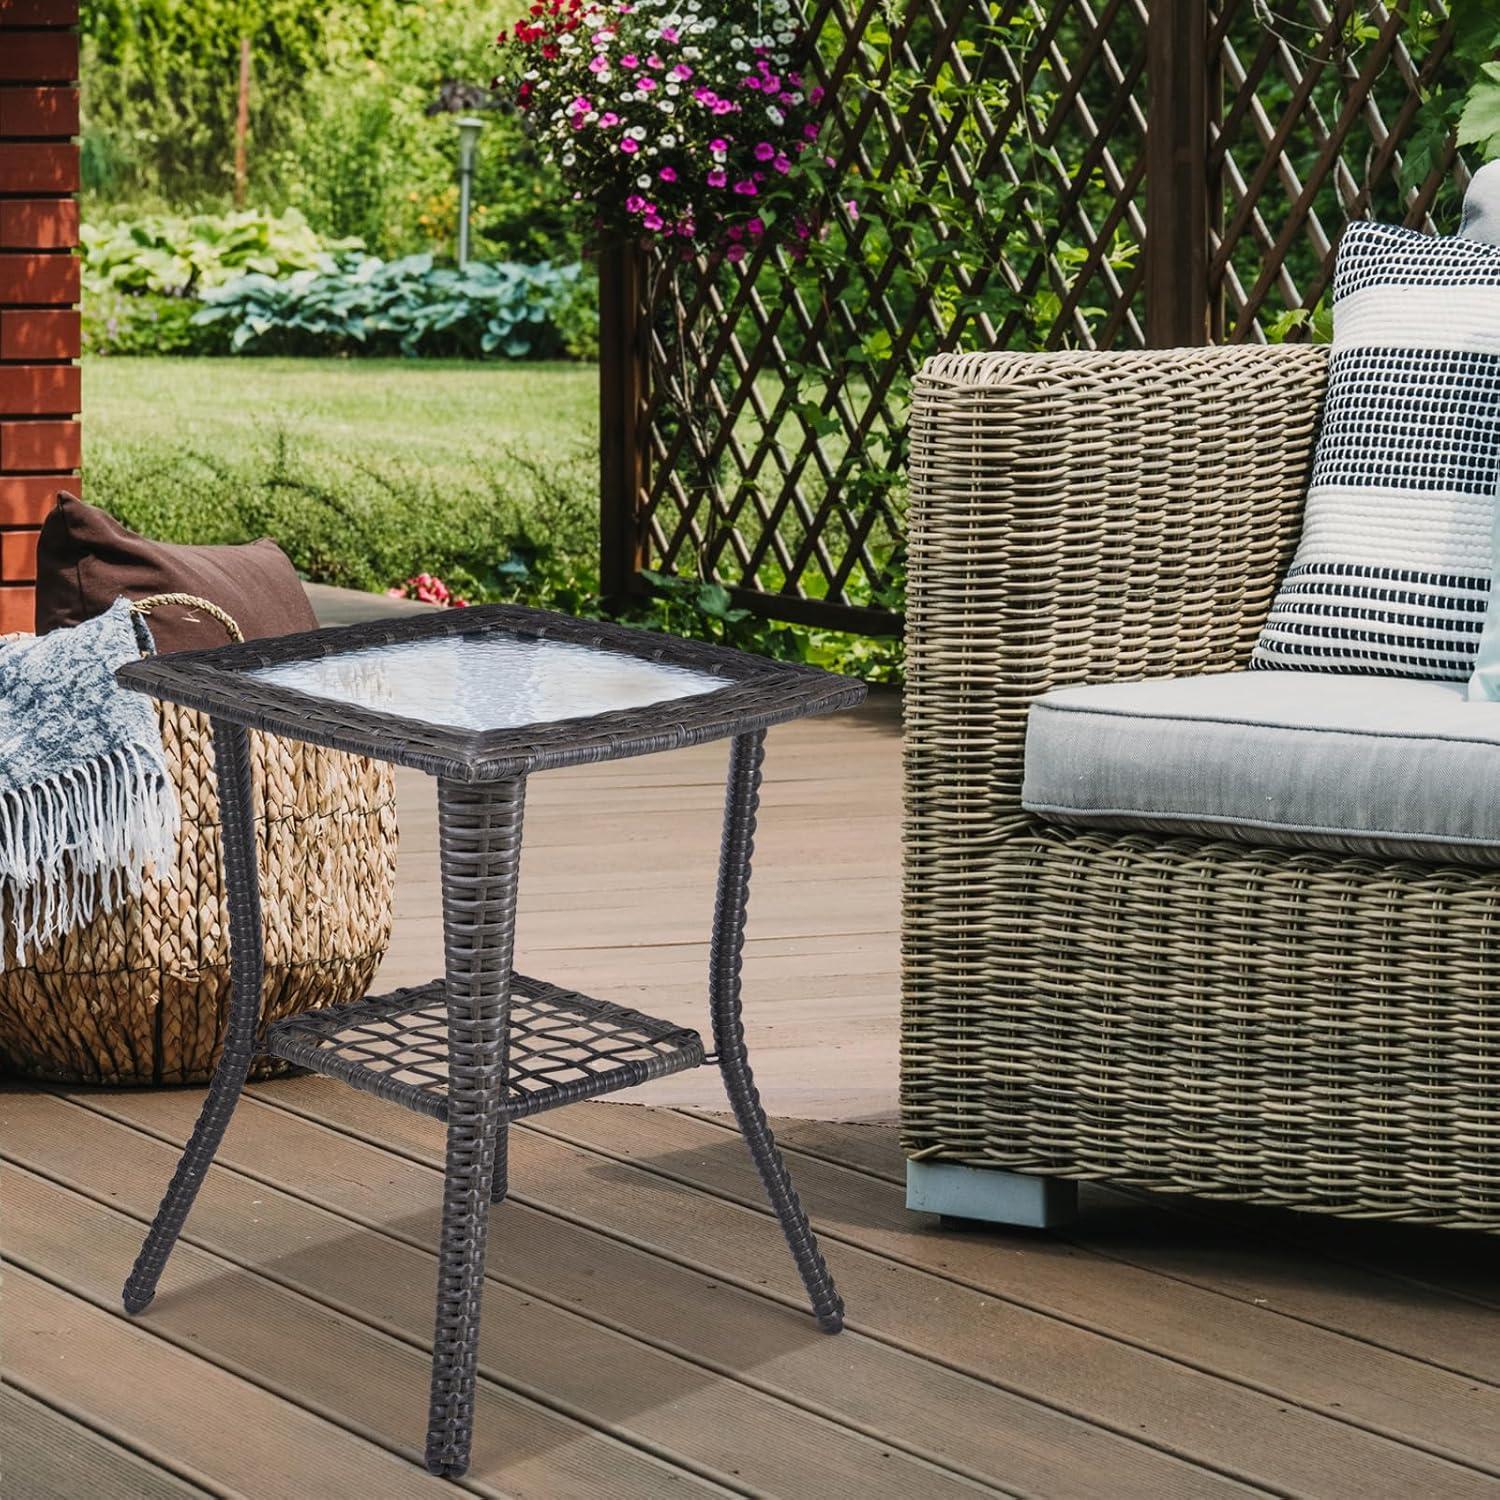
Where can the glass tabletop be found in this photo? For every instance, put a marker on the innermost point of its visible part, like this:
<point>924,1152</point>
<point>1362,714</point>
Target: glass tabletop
<point>490,681</point>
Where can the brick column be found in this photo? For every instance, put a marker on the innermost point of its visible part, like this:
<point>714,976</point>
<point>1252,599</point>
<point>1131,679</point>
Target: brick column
<point>40,450</point>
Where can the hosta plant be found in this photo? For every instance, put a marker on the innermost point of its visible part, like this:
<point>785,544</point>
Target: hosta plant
<point>354,304</point>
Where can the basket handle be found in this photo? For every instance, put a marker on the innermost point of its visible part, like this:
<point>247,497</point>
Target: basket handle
<point>144,607</point>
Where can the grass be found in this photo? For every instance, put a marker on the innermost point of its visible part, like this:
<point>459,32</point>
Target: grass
<point>366,471</point>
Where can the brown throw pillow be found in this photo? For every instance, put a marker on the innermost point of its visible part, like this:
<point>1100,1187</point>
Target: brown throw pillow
<point>86,559</point>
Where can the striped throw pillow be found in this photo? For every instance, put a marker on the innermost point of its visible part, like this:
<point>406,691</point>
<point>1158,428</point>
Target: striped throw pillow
<point>1392,575</point>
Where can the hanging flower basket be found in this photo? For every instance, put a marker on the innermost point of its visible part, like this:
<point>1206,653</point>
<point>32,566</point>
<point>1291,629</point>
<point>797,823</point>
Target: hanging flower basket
<point>670,122</point>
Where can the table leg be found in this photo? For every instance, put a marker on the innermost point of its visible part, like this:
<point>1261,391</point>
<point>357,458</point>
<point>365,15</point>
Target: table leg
<point>479,829</point>
<point>741,800</point>
<point>247,968</point>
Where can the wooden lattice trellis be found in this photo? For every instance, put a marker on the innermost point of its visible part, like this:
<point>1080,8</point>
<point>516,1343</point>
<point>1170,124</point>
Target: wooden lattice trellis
<point>1028,174</point>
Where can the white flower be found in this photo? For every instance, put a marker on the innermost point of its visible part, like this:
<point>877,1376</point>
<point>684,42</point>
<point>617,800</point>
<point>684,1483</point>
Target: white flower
<point>774,115</point>
<point>643,181</point>
<point>673,90</point>
<point>637,131</point>
<point>669,140</point>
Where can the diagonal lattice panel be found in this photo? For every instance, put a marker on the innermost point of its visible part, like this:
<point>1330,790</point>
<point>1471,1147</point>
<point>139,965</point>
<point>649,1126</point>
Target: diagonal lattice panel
<point>1316,99</point>
<point>988,159</point>
<point>988,188</point>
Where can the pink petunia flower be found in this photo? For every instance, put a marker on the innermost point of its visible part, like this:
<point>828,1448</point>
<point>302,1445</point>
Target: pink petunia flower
<point>630,145</point>
<point>670,34</point>
<point>735,252</point>
<point>635,204</point>
<point>598,65</point>
<point>686,228</point>
<point>756,227</point>
<point>645,83</point>
<point>782,164</point>
<point>581,105</point>
<point>724,107</point>
<point>655,63</point>
<point>746,189</point>
<point>853,208</point>
<point>705,95</point>
<point>668,174</point>
<point>810,132</point>
<point>719,143</point>
<point>815,94</point>
<point>681,73</point>
<point>652,221</point>
<point>764,151</point>
<point>717,177</point>
<point>608,118</point>
<point>630,60</point>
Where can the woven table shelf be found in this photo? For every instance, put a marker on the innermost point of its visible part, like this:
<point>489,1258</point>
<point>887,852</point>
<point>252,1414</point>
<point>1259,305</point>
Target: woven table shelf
<point>563,1046</point>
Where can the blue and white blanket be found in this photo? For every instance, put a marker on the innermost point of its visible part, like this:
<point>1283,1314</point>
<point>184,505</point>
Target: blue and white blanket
<point>86,803</point>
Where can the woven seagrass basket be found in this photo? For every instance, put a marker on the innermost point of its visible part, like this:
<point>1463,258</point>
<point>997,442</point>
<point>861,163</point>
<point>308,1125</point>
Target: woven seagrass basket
<point>140,994</point>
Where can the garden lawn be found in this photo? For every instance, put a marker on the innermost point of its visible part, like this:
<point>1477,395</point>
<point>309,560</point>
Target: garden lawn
<point>366,471</point>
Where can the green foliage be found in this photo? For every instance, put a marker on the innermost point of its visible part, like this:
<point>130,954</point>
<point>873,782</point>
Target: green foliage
<point>1298,324</point>
<point>339,127</point>
<point>184,256</point>
<point>362,305</point>
<point>160,85</point>
<point>116,322</point>
<point>1465,99</point>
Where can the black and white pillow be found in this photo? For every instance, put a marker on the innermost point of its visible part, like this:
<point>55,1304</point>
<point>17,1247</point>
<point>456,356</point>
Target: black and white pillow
<point>1392,575</point>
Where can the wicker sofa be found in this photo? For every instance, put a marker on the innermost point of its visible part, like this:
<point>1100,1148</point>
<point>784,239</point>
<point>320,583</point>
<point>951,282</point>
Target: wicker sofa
<point>1297,1026</point>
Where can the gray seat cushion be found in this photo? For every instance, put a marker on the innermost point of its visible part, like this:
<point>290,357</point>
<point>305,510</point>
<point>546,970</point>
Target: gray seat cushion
<point>1396,767</point>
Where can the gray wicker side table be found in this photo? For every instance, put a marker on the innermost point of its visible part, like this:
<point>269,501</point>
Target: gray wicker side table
<point>480,699</point>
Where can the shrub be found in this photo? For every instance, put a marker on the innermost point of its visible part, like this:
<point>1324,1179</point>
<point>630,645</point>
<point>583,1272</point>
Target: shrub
<point>360,304</point>
<point>116,322</point>
<point>339,127</point>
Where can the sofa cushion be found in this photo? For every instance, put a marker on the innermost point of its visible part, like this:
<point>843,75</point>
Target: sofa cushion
<point>1392,574</point>
<point>1400,768</point>
<point>86,560</point>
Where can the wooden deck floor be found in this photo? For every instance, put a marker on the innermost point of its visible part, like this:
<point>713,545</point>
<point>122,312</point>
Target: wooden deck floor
<point>644,1337</point>
<point>644,1334</point>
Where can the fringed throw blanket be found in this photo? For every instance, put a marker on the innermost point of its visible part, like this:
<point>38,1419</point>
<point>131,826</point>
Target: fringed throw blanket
<point>85,799</point>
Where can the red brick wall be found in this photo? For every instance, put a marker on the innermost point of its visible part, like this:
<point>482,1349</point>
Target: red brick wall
<point>39,336</point>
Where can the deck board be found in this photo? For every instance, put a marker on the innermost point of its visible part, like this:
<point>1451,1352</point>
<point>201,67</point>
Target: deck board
<point>49,1456</point>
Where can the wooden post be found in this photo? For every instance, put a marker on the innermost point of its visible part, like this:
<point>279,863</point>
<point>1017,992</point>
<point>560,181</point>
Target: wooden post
<point>1177,209</point>
<point>39,324</point>
<point>622,398</point>
<point>242,124</point>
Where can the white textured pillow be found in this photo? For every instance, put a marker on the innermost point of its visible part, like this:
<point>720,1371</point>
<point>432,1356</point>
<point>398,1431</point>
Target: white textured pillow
<point>1392,575</point>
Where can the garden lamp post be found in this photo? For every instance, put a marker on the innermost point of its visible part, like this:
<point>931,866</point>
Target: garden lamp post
<point>469,127</point>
